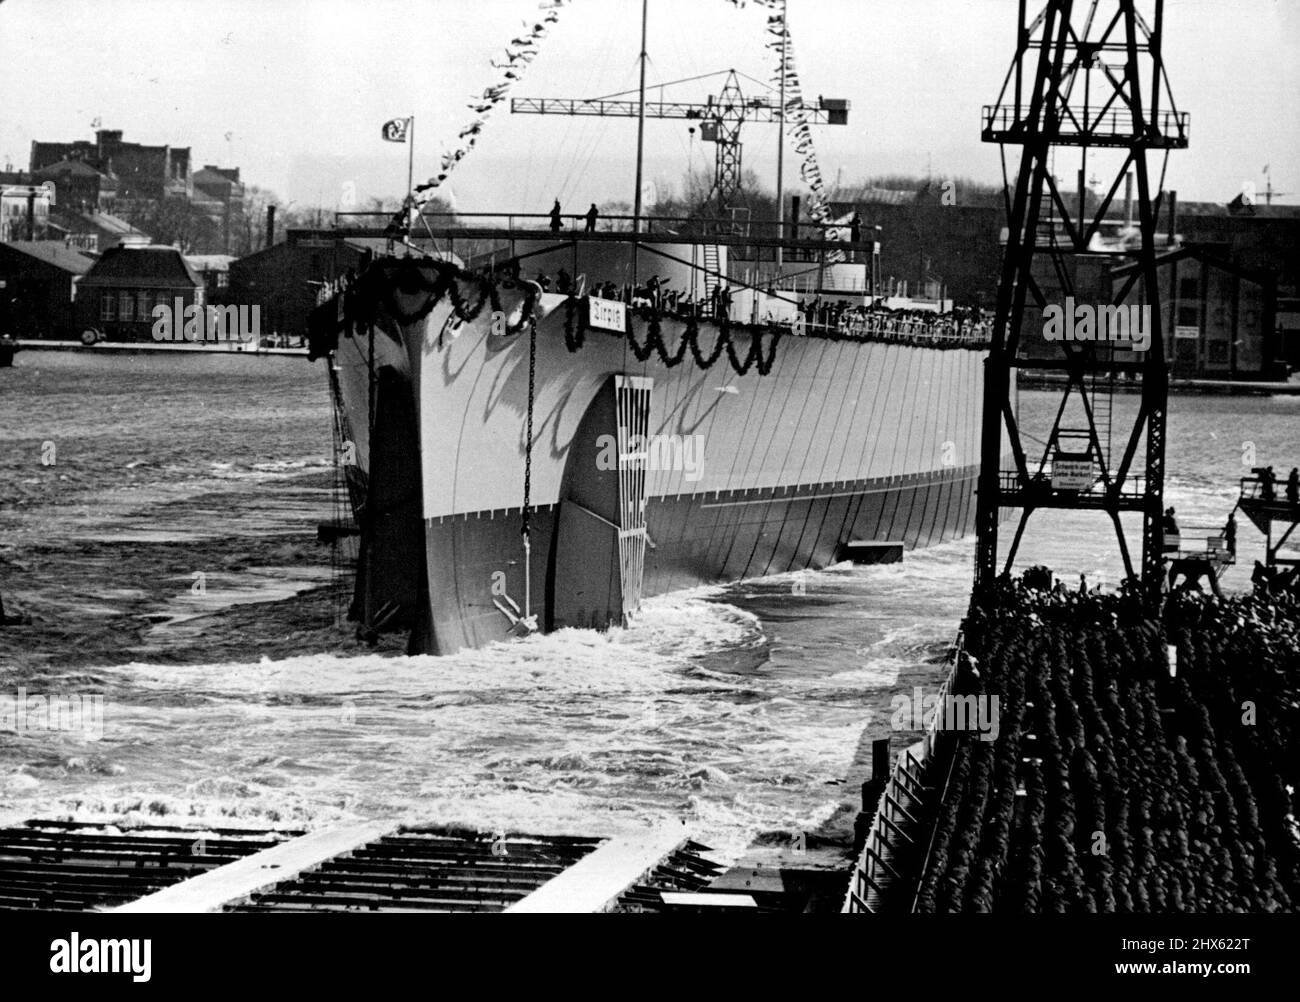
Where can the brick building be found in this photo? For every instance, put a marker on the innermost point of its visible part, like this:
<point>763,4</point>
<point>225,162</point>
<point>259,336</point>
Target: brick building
<point>149,186</point>
<point>1257,237</point>
<point>219,194</point>
<point>1219,317</point>
<point>143,173</point>
<point>80,186</point>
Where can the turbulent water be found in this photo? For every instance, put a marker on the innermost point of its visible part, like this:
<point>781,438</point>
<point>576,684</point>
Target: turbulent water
<point>731,710</point>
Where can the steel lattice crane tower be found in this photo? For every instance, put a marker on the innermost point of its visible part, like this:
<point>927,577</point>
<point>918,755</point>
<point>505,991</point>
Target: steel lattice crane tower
<point>1088,76</point>
<point>720,120</point>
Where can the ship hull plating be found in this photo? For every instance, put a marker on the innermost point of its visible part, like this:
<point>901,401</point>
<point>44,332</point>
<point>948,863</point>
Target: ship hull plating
<point>729,475</point>
<point>696,541</point>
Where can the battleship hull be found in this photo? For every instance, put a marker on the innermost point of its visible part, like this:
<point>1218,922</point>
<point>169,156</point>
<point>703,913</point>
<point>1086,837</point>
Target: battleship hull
<point>653,465</point>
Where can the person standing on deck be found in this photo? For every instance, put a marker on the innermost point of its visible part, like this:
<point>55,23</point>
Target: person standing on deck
<point>1170,528</point>
<point>1266,481</point>
<point>556,225</point>
<point>1293,486</point>
<point>592,215</point>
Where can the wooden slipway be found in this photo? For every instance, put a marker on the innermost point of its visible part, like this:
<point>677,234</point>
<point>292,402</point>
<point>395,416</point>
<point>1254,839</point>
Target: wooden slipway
<point>379,867</point>
<point>212,891</point>
<point>372,867</point>
<point>596,882</point>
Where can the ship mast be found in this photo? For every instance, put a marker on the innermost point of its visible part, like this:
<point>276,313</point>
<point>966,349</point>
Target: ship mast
<point>640,123</point>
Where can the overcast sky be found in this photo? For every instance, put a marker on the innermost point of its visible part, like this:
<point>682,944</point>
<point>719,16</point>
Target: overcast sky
<point>301,88</point>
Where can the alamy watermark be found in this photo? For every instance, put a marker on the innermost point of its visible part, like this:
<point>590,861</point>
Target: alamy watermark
<point>1085,322</point>
<point>25,712</point>
<point>178,322</point>
<point>661,452</point>
<point>968,712</point>
<point>92,955</point>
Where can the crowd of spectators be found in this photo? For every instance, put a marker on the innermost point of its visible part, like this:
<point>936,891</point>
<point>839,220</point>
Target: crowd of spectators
<point>878,320</point>
<point>812,316</point>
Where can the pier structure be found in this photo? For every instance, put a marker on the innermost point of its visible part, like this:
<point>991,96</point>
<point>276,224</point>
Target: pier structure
<point>1203,555</point>
<point>1087,78</point>
<point>1270,511</point>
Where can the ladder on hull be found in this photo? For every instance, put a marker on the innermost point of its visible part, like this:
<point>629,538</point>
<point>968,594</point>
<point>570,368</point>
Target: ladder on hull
<point>632,399</point>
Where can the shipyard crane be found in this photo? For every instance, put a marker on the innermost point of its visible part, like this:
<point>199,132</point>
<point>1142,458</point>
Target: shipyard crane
<point>720,119</point>
<point>1088,77</point>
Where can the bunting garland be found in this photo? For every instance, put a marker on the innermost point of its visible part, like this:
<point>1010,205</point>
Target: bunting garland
<point>575,334</point>
<point>795,117</point>
<point>518,54</point>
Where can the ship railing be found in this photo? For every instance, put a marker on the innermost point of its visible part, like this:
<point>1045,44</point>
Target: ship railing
<point>1009,480</point>
<point>941,745</point>
<point>533,224</point>
<point>867,327</point>
<point>902,807</point>
<point>1252,488</point>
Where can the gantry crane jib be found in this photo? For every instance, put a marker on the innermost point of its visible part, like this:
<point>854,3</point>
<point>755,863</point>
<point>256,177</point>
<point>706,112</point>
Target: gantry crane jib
<point>752,110</point>
<point>1059,94</point>
<point>720,118</point>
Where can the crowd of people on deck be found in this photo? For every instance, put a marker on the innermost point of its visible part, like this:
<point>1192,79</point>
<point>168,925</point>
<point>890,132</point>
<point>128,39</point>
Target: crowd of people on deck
<point>879,320</point>
<point>651,297</point>
<point>655,297</point>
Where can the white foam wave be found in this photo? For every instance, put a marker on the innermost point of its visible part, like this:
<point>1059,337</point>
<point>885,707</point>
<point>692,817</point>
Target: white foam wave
<point>575,731</point>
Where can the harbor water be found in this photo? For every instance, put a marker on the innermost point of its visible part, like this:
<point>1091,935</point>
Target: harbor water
<point>158,522</point>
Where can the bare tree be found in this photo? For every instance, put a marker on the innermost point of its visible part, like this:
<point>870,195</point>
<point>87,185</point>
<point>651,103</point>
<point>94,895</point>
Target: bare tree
<point>176,221</point>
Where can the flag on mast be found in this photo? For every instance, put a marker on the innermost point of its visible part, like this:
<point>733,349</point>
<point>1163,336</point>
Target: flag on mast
<point>395,130</point>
